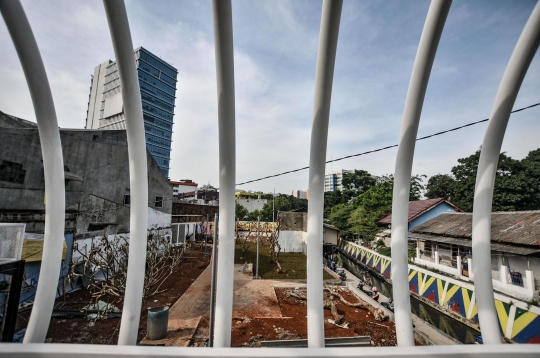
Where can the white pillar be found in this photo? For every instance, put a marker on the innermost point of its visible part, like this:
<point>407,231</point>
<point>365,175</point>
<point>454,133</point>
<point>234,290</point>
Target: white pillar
<point>138,171</point>
<point>470,269</point>
<point>437,254</point>
<point>417,251</point>
<point>53,167</point>
<point>458,266</point>
<point>503,276</point>
<point>528,283</point>
<point>223,40</point>
<point>328,36</point>
<point>485,179</point>
<point>425,56</point>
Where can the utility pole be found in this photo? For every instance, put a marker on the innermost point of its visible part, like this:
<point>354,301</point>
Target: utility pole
<point>273,205</point>
<point>257,263</point>
<point>213,285</point>
<point>206,233</point>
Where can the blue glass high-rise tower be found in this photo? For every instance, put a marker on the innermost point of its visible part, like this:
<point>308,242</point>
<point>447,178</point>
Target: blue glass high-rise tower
<point>157,81</point>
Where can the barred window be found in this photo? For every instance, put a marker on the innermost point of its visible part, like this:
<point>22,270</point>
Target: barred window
<point>12,172</point>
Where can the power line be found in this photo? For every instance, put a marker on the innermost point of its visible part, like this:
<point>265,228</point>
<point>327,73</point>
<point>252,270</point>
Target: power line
<point>384,148</point>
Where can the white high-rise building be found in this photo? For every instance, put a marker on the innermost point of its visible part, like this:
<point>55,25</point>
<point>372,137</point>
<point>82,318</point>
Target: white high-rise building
<point>332,181</point>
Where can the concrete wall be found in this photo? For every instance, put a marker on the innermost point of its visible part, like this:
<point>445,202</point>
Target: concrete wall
<point>291,241</point>
<point>97,162</point>
<point>330,236</point>
<point>183,208</point>
<point>252,204</point>
<point>293,221</point>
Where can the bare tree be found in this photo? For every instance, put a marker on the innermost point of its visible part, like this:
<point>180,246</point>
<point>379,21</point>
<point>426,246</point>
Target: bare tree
<point>106,263</point>
<point>242,237</point>
<point>275,248</point>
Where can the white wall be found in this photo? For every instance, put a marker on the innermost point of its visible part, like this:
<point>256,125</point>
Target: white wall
<point>158,219</point>
<point>330,236</point>
<point>291,241</point>
<point>252,204</point>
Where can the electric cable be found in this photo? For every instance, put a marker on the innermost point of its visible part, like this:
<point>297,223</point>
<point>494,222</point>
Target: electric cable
<point>383,148</point>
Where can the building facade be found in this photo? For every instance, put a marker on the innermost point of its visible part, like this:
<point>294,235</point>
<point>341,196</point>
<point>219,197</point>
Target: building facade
<point>332,181</point>
<point>183,186</point>
<point>96,172</point>
<point>157,82</point>
<point>300,194</point>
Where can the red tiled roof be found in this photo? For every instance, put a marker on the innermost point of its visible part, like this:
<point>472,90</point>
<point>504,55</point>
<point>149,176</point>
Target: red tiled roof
<point>183,183</point>
<point>187,193</point>
<point>418,207</point>
<point>511,227</point>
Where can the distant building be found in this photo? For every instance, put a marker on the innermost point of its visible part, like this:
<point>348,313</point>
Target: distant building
<point>200,196</point>
<point>252,203</point>
<point>300,194</point>
<point>157,82</point>
<point>332,181</point>
<point>183,186</point>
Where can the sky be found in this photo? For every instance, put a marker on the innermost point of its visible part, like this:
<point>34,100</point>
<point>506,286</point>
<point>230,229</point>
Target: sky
<point>275,54</point>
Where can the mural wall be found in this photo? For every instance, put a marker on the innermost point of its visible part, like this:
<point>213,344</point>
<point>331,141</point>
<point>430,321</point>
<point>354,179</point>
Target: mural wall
<point>252,226</point>
<point>518,320</point>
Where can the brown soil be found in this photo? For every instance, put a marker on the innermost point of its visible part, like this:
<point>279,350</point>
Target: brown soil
<point>361,322</point>
<point>81,330</point>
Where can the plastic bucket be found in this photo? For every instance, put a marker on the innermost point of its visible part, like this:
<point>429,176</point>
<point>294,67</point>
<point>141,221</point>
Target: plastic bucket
<point>158,320</point>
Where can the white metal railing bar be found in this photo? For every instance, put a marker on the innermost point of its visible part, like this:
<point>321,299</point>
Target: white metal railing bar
<point>223,41</point>
<point>104,351</point>
<point>485,178</point>
<point>53,166</point>
<point>138,177</point>
<point>431,34</point>
<point>326,58</point>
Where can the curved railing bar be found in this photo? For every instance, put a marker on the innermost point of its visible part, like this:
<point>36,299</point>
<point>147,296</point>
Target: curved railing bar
<point>223,40</point>
<point>53,167</point>
<point>324,75</point>
<point>431,34</point>
<point>138,171</point>
<point>485,178</point>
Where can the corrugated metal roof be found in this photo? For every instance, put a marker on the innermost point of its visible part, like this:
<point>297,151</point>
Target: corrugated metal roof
<point>513,249</point>
<point>418,207</point>
<point>514,227</point>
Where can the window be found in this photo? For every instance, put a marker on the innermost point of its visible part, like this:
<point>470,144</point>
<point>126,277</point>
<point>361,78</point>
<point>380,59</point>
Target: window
<point>12,172</point>
<point>127,199</point>
<point>159,201</point>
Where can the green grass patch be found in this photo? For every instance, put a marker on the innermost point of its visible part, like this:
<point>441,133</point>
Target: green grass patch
<point>294,263</point>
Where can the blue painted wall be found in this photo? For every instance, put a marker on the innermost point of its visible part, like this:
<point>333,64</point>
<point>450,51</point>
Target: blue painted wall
<point>430,214</point>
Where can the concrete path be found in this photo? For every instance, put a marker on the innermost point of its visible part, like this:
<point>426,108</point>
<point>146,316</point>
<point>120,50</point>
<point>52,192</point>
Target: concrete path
<point>186,313</point>
<point>252,298</point>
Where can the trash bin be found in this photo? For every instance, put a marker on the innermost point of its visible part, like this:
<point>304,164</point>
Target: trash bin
<point>158,320</point>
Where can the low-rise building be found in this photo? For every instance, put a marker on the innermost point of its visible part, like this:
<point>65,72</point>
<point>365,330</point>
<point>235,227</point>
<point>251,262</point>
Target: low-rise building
<point>420,211</point>
<point>96,170</point>
<point>183,186</point>
<point>445,244</point>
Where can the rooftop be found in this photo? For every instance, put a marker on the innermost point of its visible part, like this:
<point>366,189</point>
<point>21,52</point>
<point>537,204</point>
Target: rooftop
<point>516,228</point>
<point>418,207</point>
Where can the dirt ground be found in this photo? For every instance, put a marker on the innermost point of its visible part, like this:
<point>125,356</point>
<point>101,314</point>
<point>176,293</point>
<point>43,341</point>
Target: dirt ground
<point>79,330</point>
<point>294,311</point>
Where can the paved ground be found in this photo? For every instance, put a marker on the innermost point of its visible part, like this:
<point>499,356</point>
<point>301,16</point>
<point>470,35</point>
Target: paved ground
<point>186,313</point>
<point>256,297</point>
